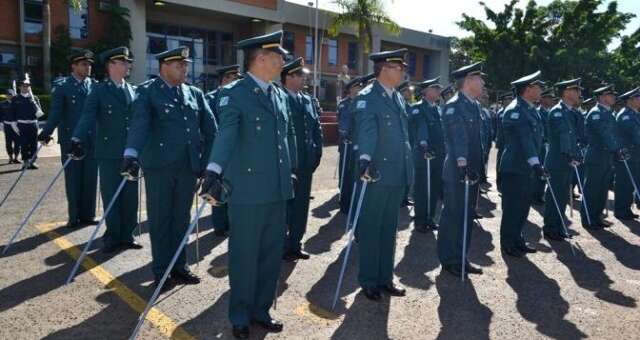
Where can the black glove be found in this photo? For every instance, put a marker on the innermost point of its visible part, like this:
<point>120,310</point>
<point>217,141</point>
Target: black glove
<point>622,154</point>
<point>130,168</point>
<point>44,138</point>
<point>467,174</point>
<point>427,151</point>
<point>541,172</point>
<point>77,150</point>
<point>572,159</point>
<point>212,188</point>
<point>367,171</point>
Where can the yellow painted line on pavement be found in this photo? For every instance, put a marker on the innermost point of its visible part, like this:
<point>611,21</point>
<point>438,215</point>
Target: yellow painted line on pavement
<point>161,321</point>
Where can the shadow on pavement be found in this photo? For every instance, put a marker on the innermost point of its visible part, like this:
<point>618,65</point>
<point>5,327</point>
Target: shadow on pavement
<point>546,311</point>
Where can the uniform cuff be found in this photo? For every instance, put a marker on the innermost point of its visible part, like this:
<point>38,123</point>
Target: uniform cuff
<point>214,167</point>
<point>533,161</point>
<point>423,143</point>
<point>365,157</point>
<point>131,152</point>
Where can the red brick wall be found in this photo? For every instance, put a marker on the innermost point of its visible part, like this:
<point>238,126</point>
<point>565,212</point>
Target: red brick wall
<point>269,4</point>
<point>9,17</point>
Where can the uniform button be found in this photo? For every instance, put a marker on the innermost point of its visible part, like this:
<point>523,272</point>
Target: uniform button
<point>188,130</point>
<point>166,110</point>
<point>388,123</point>
<point>105,138</point>
<point>384,159</point>
<point>278,132</point>
<point>161,144</point>
<point>185,117</point>
<point>73,102</point>
<point>280,160</point>
<point>249,170</point>
<point>127,128</point>
<point>258,128</point>
<point>257,118</point>
<point>109,111</point>
<point>175,100</point>
<point>280,147</point>
<point>188,142</point>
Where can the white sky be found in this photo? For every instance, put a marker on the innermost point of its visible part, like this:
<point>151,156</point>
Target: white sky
<point>441,16</point>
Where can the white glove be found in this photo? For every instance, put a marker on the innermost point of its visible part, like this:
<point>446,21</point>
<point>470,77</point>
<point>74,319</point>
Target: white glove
<point>39,113</point>
<point>14,127</point>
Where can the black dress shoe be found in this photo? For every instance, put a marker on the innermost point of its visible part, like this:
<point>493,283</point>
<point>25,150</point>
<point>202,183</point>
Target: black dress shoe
<point>593,226</point>
<point>220,233</point>
<point>72,225</point>
<point>513,251</point>
<point>186,277</point>
<point>301,255</point>
<point>471,269</point>
<point>89,222</point>
<point>453,269</point>
<point>168,285</point>
<point>527,249</point>
<point>394,290</point>
<point>110,249</point>
<point>553,236</point>
<point>289,256</point>
<point>372,294</point>
<point>240,332</point>
<point>272,326</point>
<point>626,217</point>
<point>131,245</point>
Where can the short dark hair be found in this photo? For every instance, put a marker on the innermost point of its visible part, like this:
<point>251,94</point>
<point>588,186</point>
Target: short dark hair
<point>250,56</point>
<point>377,68</point>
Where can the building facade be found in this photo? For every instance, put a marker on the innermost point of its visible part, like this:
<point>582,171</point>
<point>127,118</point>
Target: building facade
<point>211,29</point>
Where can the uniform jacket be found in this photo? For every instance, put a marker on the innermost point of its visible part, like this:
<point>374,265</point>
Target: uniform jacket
<point>562,136</point>
<point>628,131</point>
<point>306,122</point>
<point>522,131</point>
<point>462,135</point>
<point>110,112</point>
<point>256,145</point>
<point>600,131</point>
<point>67,103</point>
<point>167,128</point>
<point>382,133</point>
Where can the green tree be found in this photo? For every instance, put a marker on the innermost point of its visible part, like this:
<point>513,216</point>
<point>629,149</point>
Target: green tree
<point>362,15</point>
<point>564,39</point>
<point>60,50</point>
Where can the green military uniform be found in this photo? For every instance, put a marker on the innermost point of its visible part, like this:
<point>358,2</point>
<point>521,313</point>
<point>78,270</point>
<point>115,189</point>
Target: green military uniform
<point>463,140</point>
<point>219,214</point>
<point>600,131</point>
<point>543,114</point>
<point>255,151</point>
<point>425,115</point>
<point>628,131</point>
<point>172,131</point>
<point>521,151</point>
<point>306,123</point>
<point>563,148</point>
<point>108,110</point>
<point>81,176</point>
<point>383,139</point>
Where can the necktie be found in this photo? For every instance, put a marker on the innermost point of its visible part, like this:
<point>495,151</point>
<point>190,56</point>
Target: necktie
<point>178,93</point>
<point>271,97</point>
<point>126,94</point>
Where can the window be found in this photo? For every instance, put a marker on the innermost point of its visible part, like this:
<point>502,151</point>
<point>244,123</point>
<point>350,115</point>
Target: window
<point>7,58</point>
<point>426,66</point>
<point>288,42</point>
<point>352,58</point>
<point>79,21</point>
<point>33,16</point>
<point>308,50</point>
<point>333,52</point>
<point>157,44</point>
<point>227,51</point>
<point>411,68</point>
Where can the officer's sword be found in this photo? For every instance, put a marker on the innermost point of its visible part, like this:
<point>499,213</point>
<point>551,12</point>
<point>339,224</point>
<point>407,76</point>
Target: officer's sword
<point>584,196</point>
<point>349,243</point>
<point>95,231</point>
<point>555,202</point>
<point>464,228</point>
<point>154,297</point>
<point>353,196</point>
<point>571,200</point>
<point>24,169</point>
<point>633,181</point>
<point>344,165</point>
<point>139,226</point>
<point>429,189</point>
<point>38,201</point>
